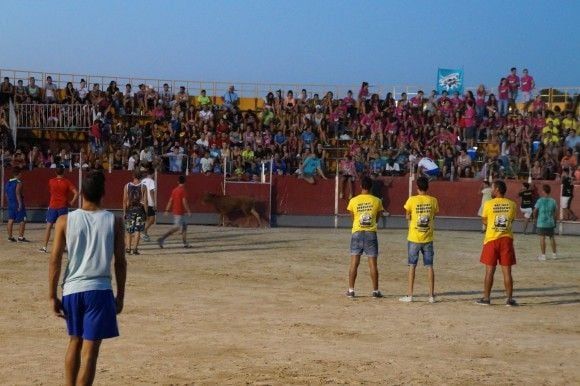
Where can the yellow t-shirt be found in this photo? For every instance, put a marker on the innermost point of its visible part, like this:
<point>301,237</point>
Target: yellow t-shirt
<point>422,209</point>
<point>500,214</point>
<point>365,208</point>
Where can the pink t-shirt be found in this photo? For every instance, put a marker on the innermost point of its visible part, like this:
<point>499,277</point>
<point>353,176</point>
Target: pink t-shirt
<point>527,83</point>
<point>469,116</point>
<point>456,102</point>
<point>416,101</point>
<point>513,81</point>
<point>480,98</point>
<point>503,92</point>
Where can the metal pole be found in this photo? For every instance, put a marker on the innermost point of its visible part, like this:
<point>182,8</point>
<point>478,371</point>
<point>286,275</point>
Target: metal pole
<point>411,178</point>
<point>561,226</point>
<point>263,173</point>
<point>336,198</point>
<point>80,179</point>
<point>271,182</point>
<point>225,173</point>
<point>2,188</point>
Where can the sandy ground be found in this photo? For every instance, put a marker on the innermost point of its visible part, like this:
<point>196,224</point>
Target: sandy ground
<point>268,307</point>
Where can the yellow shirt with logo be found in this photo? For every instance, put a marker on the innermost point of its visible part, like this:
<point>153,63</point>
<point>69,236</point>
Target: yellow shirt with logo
<point>500,214</point>
<point>365,208</point>
<point>421,210</point>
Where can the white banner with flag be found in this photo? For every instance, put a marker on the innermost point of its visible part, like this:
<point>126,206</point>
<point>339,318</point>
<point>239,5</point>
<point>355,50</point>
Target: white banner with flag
<point>13,123</point>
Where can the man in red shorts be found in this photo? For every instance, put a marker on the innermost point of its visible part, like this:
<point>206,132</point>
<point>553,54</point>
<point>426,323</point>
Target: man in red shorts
<point>498,246</point>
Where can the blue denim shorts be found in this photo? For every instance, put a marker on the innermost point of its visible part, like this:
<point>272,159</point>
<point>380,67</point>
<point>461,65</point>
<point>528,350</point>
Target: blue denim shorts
<point>91,315</point>
<point>364,243</point>
<point>53,214</point>
<point>425,248</point>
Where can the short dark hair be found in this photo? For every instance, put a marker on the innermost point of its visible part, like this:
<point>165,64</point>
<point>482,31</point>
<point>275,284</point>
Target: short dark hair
<point>59,170</point>
<point>512,69</point>
<point>366,183</point>
<point>546,188</point>
<point>16,170</point>
<point>137,174</point>
<point>423,184</point>
<point>93,187</point>
<point>181,179</point>
<point>501,186</point>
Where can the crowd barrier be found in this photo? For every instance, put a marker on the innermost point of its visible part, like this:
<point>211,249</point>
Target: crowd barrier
<point>290,195</point>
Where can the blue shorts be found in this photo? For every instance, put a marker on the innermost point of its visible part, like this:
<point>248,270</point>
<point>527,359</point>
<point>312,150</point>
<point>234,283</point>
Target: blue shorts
<point>16,215</point>
<point>425,248</point>
<point>364,243</point>
<point>433,173</point>
<point>53,214</point>
<point>91,315</point>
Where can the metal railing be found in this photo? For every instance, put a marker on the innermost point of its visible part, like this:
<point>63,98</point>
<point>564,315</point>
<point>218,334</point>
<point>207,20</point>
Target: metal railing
<point>247,89</point>
<point>53,116</point>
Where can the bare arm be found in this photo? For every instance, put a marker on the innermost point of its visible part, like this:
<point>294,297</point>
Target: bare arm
<point>145,196</point>
<point>125,198</point>
<point>54,265</point>
<point>19,195</point>
<point>186,206</point>
<point>169,203</point>
<point>120,264</point>
<point>75,196</point>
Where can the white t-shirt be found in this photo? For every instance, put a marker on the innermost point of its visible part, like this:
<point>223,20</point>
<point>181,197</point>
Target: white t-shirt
<point>150,185</point>
<point>131,163</point>
<point>427,164</point>
<point>206,164</point>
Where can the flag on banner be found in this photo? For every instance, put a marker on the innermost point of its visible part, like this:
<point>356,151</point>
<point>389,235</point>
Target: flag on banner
<point>449,80</point>
<point>13,123</point>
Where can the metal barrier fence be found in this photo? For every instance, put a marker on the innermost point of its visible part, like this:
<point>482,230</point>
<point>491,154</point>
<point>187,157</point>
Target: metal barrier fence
<point>250,90</point>
<point>53,116</point>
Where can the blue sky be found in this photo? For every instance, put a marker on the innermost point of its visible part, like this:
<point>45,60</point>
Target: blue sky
<point>328,42</point>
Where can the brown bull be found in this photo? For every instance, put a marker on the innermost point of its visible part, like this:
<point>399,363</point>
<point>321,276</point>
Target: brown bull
<point>226,205</point>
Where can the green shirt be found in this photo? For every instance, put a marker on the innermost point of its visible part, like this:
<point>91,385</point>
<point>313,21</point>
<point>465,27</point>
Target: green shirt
<point>546,207</point>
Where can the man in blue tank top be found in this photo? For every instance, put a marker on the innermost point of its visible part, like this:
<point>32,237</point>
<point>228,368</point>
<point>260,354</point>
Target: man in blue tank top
<point>16,208</point>
<point>93,236</point>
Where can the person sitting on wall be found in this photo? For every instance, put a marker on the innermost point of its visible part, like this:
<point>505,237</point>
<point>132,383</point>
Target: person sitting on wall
<point>310,167</point>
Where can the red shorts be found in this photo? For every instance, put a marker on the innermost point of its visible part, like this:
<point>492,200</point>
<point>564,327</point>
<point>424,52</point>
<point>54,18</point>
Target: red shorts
<point>501,250</point>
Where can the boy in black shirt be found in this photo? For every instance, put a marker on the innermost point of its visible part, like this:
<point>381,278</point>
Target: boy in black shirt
<point>527,204</point>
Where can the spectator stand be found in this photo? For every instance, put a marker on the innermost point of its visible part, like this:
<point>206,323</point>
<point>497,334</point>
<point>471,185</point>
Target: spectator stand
<point>260,189</point>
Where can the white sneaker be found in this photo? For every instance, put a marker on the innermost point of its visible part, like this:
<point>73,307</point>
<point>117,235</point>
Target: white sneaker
<point>432,299</point>
<point>554,256</point>
<point>406,299</point>
<point>542,257</point>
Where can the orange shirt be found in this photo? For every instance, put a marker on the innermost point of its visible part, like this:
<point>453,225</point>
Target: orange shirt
<point>177,196</point>
<point>59,189</point>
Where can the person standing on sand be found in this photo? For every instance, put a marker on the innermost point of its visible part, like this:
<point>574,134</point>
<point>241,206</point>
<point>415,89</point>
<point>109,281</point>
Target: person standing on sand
<point>545,211</point>
<point>421,210</point>
<point>93,236</point>
<point>498,246</point>
<point>366,210</point>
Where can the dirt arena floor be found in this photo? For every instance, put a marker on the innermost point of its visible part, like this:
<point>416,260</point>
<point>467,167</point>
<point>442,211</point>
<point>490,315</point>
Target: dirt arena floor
<point>267,307</point>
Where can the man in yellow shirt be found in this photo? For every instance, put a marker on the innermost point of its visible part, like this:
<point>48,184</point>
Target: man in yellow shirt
<point>498,246</point>
<point>365,209</point>
<point>203,99</point>
<point>421,210</point>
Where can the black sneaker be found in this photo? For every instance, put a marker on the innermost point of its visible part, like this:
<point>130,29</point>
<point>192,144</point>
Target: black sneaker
<point>511,303</point>
<point>22,239</point>
<point>483,302</point>
<point>136,252</point>
<point>187,246</point>
<point>377,294</point>
<point>12,239</point>
<point>350,294</point>
<point>128,251</point>
<point>160,243</point>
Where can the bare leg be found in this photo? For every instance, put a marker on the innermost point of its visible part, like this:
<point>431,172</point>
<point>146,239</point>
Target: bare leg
<point>508,280</point>
<point>150,221</point>
<point>543,244</point>
<point>411,276</point>
<point>72,360</point>
<point>184,235</point>
<point>374,273</point>
<point>354,262</point>
<point>431,277</point>
<point>10,227</point>
<point>488,282</point>
<point>22,228</point>
<point>257,216</point>
<point>553,242</point>
<point>89,356</point>
<point>47,234</point>
<point>128,240</point>
<point>137,237</point>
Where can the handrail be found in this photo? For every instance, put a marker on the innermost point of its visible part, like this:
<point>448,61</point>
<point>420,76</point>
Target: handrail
<point>247,89</point>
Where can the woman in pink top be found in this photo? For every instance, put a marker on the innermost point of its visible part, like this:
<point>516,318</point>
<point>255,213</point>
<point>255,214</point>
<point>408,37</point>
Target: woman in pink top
<point>503,91</point>
<point>469,130</point>
<point>347,171</point>
<point>363,94</point>
<point>480,95</point>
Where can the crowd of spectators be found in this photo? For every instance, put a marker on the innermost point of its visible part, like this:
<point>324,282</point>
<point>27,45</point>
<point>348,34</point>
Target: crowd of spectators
<point>505,131</point>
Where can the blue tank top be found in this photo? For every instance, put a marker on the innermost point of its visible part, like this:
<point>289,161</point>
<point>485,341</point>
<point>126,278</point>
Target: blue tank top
<point>90,239</point>
<point>11,193</point>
